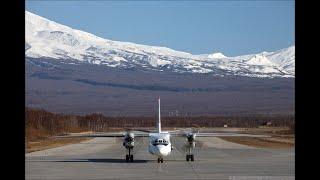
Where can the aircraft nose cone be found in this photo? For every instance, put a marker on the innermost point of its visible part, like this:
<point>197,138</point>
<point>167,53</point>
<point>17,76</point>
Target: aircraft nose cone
<point>162,151</point>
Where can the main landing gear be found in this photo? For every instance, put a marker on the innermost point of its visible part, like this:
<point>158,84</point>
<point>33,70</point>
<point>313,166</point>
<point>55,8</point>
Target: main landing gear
<point>129,157</point>
<point>190,157</point>
<point>160,160</point>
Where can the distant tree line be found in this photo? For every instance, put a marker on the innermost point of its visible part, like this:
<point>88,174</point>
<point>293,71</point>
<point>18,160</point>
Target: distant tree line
<point>52,124</point>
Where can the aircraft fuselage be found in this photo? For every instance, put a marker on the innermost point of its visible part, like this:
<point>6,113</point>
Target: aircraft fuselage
<point>159,144</point>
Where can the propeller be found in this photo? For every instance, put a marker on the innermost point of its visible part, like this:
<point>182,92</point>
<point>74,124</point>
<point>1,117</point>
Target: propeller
<point>192,142</point>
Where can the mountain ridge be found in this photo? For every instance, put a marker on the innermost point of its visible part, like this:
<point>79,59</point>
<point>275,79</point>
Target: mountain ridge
<point>48,39</point>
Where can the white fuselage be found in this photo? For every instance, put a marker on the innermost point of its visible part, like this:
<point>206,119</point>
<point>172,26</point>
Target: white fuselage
<point>159,144</point>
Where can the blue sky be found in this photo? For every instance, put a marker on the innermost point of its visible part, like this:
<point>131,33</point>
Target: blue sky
<point>231,27</point>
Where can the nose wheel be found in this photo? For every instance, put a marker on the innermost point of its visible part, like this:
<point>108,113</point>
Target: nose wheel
<point>190,157</point>
<point>160,160</point>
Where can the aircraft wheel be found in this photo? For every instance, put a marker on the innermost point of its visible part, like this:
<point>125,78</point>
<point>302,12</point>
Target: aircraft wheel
<point>131,158</point>
<point>192,157</point>
<point>187,157</point>
<point>161,160</point>
<point>127,158</point>
<point>158,160</point>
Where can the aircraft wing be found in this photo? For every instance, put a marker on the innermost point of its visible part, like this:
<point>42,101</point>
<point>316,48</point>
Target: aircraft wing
<point>218,134</point>
<point>100,135</point>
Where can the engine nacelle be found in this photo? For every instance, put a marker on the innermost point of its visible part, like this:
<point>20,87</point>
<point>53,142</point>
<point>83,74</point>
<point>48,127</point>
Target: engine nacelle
<point>191,138</point>
<point>128,140</point>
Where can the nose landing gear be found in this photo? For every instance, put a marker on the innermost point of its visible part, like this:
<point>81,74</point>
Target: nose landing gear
<point>160,160</point>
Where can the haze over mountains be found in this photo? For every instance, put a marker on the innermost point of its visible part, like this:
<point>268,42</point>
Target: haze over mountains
<point>72,71</point>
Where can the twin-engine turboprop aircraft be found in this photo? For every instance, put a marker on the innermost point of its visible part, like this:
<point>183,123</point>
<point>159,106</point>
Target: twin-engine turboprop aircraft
<point>159,142</point>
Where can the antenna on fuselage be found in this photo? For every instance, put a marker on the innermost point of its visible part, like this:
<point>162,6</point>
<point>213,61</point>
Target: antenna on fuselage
<point>159,120</point>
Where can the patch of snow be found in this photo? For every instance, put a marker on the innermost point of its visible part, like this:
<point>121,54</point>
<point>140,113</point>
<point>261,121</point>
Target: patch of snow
<point>46,38</point>
<point>217,56</point>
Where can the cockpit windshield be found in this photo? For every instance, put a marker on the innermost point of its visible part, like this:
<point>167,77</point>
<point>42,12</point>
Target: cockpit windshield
<point>160,142</point>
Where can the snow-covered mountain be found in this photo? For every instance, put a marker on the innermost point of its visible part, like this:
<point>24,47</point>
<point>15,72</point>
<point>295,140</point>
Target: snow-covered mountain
<point>216,55</point>
<point>50,40</point>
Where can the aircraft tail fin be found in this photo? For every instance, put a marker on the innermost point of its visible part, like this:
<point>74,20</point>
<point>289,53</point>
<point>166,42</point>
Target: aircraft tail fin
<point>159,116</point>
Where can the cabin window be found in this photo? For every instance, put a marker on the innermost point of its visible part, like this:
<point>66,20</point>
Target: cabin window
<point>160,142</point>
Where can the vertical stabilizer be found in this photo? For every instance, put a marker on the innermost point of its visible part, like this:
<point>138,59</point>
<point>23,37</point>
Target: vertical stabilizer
<point>159,120</point>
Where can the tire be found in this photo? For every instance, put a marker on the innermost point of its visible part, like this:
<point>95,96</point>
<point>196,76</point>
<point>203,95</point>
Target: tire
<point>161,160</point>
<point>187,157</point>
<point>192,157</point>
<point>158,160</point>
<point>127,158</point>
<point>131,158</point>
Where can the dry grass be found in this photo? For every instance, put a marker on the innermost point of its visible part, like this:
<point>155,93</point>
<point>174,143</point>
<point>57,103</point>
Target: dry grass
<point>281,137</point>
<point>274,131</point>
<point>272,142</point>
<point>41,139</point>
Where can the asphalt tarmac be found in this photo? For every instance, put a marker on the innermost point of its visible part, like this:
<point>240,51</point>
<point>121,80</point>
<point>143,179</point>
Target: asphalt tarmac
<point>104,158</point>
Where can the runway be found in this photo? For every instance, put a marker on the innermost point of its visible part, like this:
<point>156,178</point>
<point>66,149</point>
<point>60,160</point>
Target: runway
<point>103,158</point>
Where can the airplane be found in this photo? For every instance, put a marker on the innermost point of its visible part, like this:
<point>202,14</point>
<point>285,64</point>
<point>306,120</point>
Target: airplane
<point>160,141</point>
